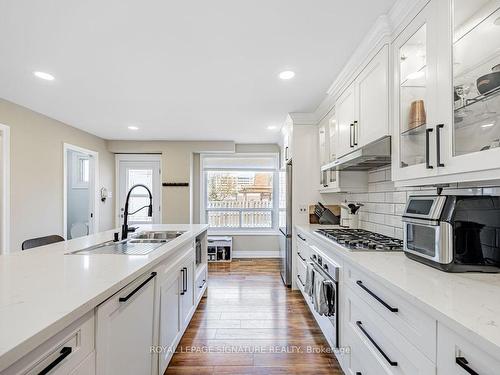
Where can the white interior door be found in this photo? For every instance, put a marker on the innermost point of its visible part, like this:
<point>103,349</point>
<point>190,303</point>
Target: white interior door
<point>133,172</point>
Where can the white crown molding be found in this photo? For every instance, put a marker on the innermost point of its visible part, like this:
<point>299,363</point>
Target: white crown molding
<point>378,35</point>
<point>298,118</point>
<point>402,12</point>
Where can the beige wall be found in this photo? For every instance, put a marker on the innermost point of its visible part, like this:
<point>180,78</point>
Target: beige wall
<point>37,172</point>
<point>177,160</point>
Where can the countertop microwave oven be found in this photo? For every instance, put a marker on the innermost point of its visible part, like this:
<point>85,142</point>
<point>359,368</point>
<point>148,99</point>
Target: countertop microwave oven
<point>454,233</point>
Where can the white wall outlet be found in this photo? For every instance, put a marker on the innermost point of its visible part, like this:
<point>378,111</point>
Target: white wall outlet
<point>302,209</point>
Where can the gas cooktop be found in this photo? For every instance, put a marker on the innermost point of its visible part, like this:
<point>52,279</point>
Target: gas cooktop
<point>362,240</point>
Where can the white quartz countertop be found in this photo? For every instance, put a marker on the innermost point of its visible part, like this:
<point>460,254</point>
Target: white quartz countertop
<point>42,290</point>
<point>467,302</point>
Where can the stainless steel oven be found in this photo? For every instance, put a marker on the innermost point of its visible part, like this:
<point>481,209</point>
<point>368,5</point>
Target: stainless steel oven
<point>329,271</point>
<point>453,233</point>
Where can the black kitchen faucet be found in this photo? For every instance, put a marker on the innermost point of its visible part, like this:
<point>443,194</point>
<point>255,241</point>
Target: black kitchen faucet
<point>125,229</point>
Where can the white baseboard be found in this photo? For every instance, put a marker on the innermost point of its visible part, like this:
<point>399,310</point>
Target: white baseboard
<point>255,254</point>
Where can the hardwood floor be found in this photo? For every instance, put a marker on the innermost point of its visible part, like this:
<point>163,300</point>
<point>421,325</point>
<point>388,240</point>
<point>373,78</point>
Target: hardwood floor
<point>251,324</point>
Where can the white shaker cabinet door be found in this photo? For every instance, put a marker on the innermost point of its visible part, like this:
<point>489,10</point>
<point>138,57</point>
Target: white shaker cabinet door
<point>345,109</point>
<point>124,331</point>
<point>373,96</point>
<point>458,356</point>
<point>187,295</point>
<point>170,325</point>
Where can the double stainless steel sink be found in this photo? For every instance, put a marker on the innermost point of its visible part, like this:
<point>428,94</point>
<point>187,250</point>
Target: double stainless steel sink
<point>141,244</point>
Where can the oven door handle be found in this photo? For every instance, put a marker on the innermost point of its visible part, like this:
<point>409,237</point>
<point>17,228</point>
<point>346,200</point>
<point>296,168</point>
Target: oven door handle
<point>385,304</point>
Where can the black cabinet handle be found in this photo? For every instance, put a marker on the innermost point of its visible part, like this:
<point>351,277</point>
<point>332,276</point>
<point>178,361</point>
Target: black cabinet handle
<point>355,136</point>
<point>302,238</point>
<point>202,284</point>
<point>360,325</point>
<point>182,271</point>
<point>358,373</point>
<point>125,299</point>
<point>462,362</point>
<point>301,257</point>
<point>427,134</point>
<point>186,282</point>
<point>300,279</point>
<point>351,126</point>
<point>286,153</point>
<point>438,145</point>
<point>387,306</point>
<point>62,354</point>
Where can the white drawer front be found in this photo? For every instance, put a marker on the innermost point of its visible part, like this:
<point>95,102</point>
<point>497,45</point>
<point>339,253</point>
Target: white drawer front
<point>301,273</point>
<point>361,360</point>
<point>63,352</point>
<point>387,346</point>
<point>416,326</point>
<point>200,283</point>
<point>458,356</point>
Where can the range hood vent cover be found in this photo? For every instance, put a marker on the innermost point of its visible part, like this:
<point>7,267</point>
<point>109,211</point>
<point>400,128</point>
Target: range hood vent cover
<point>374,155</point>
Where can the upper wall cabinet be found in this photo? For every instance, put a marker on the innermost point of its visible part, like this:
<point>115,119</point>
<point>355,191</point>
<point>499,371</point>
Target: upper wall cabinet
<point>447,94</point>
<point>373,99</point>
<point>363,108</point>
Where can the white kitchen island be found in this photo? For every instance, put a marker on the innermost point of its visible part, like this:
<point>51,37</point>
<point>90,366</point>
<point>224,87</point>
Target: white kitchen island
<point>56,306</point>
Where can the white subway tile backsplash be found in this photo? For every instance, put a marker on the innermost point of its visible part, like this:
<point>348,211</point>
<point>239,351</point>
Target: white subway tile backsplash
<point>376,218</point>
<point>376,197</point>
<point>393,221</point>
<point>385,230</point>
<point>396,197</point>
<point>399,209</point>
<point>376,176</point>
<point>384,203</point>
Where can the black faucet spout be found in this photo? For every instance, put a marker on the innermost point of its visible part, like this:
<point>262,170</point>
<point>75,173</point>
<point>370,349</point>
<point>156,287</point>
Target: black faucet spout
<point>125,229</point>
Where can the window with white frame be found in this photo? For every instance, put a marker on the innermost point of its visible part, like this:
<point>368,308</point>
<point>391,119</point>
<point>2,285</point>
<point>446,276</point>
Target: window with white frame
<point>81,171</point>
<point>240,192</point>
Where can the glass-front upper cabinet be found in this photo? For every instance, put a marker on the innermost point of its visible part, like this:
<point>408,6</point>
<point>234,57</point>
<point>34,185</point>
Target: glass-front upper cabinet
<point>476,76</point>
<point>414,54</point>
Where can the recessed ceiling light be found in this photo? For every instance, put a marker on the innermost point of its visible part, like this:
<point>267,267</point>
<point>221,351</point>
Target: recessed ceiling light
<point>272,127</point>
<point>45,76</point>
<point>133,127</point>
<point>487,125</point>
<point>287,74</point>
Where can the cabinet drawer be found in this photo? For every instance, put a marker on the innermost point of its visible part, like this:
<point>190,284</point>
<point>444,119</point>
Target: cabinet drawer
<point>200,282</point>
<point>389,348</point>
<point>301,273</point>
<point>416,326</point>
<point>63,352</point>
<point>361,360</point>
<point>303,249</point>
<point>458,356</point>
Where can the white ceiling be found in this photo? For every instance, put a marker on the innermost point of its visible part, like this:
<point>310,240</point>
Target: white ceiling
<point>180,70</point>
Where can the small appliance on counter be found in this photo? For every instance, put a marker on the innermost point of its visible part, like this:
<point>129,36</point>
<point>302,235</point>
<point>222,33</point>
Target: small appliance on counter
<point>349,215</point>
<point>453,233</point>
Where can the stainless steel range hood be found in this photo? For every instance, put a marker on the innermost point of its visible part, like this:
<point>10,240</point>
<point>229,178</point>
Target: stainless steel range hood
<point>374,155</point>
